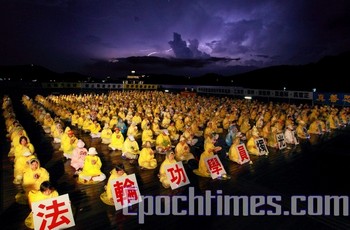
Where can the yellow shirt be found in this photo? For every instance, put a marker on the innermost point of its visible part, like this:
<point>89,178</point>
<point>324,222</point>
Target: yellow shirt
<point>109,188</point>
<point>35,196</point>
<point>92,166</point>
<point>32,179</point>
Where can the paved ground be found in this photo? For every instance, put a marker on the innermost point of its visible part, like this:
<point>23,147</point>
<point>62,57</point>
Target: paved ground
<point>309,170</point>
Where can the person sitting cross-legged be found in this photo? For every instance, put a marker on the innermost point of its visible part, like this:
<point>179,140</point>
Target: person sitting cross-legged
<point>169,159</point>
<point>146,159</point>
<point>107,196</point>
<point>130,148</point>
<point>91,172</point>
<point>46,191</point>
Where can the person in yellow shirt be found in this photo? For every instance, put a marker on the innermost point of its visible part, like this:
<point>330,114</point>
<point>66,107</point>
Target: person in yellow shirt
<point>130,148</point>
<point>202,167</point>
<point>182,151</point>
<point>145,122</point>
<point>163,142</point>
<point>69,144</point>
<point>173,133</point>
<point>46,191</point>
<point>146,159</point>
<point>233,153</point>
<point>24,146</point>
<point>208,130</point>
<point>106,134</point>
<point>166,120</point>
<point>134,131</point>
<point>95,129</point>
<point>75,117</point>
<point>17,133</point>
<point>155,127</point>
<point>105,118</point>
<point>32,179</point>
<point>87,124</point>
<point>113,121</point>
<point>57,132</point>
<point>136,118</point>
<point>210,141</point>
<point>179,124</point>
<point>245,126</point>
<point>301,131</point>
<point>147,135</point>
<point>48,121</point>
<point>251,146</point>
<point>272,139</point>
<point>315,127</point>
<point>80,121</point>
<point>91,172</point>
<point>169,159</point>
<point>16,139</point>
<point>21,164</point>
<point>64,136</point>
<point>107,195</point>
<point>117,140</point>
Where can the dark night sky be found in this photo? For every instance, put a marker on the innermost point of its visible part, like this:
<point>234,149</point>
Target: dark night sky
<point>83,35</point>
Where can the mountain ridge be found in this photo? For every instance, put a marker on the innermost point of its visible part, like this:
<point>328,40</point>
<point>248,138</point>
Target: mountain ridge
<point>292,77</point>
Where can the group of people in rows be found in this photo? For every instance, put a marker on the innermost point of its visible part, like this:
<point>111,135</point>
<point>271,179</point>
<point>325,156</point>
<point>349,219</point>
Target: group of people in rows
<point>142,124</point>
<point>29,175</point>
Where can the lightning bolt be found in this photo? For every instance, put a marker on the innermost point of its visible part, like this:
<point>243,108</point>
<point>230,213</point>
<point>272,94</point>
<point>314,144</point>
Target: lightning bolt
<point>151,53</point>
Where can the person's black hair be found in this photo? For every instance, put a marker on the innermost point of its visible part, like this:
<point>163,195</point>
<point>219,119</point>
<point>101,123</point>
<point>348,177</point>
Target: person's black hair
<point>119,167</point>
<point>46,185</point>
<point>23,137</point>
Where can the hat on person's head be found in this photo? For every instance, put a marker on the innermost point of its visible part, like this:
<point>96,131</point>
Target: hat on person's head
<point>131,137</point>
<point>34,160</point>
<point>92,151</point>
<point>27,153</point>
<point>70,132</point>
<point>80,144</point>
<point>165,131</point>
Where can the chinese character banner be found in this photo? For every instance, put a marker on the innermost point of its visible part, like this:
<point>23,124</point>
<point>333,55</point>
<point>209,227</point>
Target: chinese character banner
<point>176,174</point>
<point>125,191</point>
<point>342,99</point>
<point>53,213</point>
<point>215,167</point>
